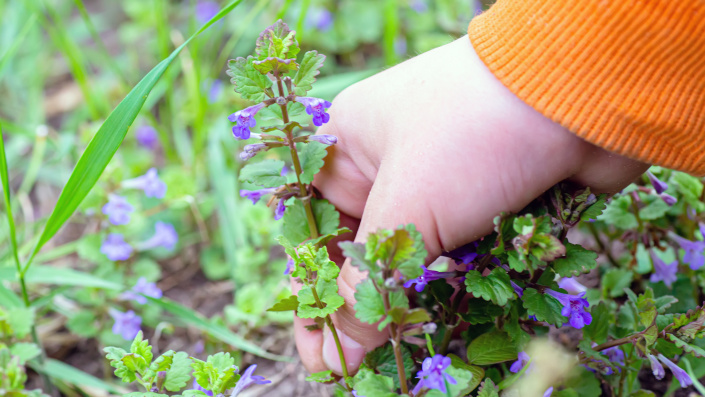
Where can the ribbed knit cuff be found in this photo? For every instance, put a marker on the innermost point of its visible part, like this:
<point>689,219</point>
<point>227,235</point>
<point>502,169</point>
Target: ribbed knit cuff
<point>626,75</point>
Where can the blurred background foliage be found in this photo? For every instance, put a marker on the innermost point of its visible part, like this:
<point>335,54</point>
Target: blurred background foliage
<point>65,64</point>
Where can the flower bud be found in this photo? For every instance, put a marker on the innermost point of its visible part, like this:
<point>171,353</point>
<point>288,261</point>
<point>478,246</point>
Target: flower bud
<point>391,283</point>
<point>281,101</point>
<point>251,150</point>
<point>324,139</point>
<point>429,328</point>
<point>161,377</point>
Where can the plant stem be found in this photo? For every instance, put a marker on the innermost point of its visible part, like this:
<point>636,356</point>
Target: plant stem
<point>396,345</point>
<point>313,227</point>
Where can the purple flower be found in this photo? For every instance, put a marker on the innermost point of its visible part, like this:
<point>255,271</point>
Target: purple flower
<point>214,91</point>
<point>317,108</point>
<point>149,183</point>
<point>143,287</point>
<point>571,285</point>
<point>433,375</point>
<point>245,120</point>
<point>115,247</point>
<point>668,199</point>
<point>196,386</point>
<point>464,255</point>
<point>659,186</point>
<point>118,210</point>
<point>205,10</point>
<point>400,45</point>
<point>517,289</point>
<point>694,250</point>
<point>247,380</point>
<point>678,372</point>
<point>319,18</point>
<point>164,236</point>
<point>289,266</point>
<point>520,363</point>
<point>615,354</point>
<point>419,6</point>
<point>324,139</point>
<point>656,367</point>
<point>548,392</point>
<point>251,150</point>
<point>427,276</point>
<point>146,136</point>
<point>573,308</point>
<point>279,211</point>
<point>127,324</point>
<point>256,195</point>
<point>662,271</point>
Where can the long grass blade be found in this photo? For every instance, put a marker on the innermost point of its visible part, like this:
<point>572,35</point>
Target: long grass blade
<point>194,319</point>
<point>5,177</point>
<point>106,142</point>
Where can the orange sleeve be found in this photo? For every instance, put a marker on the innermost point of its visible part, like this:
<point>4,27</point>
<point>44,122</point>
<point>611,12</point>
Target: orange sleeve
<point>626,75</point>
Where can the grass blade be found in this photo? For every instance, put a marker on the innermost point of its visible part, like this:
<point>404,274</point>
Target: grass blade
<point>5,177</point>
<point>194,319</point>
<point>106,142</point>
<point>58,370</point>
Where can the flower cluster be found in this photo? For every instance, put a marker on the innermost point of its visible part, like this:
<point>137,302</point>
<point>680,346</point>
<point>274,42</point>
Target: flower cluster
<point>118,210</point>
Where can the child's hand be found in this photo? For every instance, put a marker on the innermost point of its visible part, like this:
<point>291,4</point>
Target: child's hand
<point>439,142</point>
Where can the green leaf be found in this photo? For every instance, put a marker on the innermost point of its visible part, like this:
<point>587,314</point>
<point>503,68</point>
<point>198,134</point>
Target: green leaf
<point>543,306</point>
<point>491,348</point>
<point>107,140</point>
<point>370,307</point>
<point>496,287</point>
<point>321,377</point>
<point>374,385</point>
<point>477,372</point>
<point>327,291</point>
<point>308,70</point>
<point>690,186</point>
<point>324,239</point>
<point>687,347</point>
<point>179,373</point>
<point>265,173</point>
<point>595,210</point>
<point>618,213</point>
<point>286,304</point>
<point>220,332</point>
<point>577,260</point>
<point>596,331</point>
<point>514,262</point>
<point>25,351</point>
<point>656,209</point>
<point>411,267</point>
<point>20,320</point>
<point>295,227</point>
<point>390,246</point>
<point>249,83</point>
<point>356,253</point>
<point>143,349</point>
<point>311,157</point>
<point>614,281</point>
<point>382,360</point>
<point>480,311</point>
<point>488,389</point>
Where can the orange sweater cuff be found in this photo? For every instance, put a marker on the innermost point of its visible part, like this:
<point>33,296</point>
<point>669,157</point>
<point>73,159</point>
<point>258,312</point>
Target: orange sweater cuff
<point>628,76</point>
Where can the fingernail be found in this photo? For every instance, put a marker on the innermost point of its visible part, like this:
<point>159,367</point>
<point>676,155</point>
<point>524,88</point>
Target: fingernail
<point>353,352</point>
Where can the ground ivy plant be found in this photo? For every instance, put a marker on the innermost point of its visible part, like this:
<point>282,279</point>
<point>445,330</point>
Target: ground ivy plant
<point>464,326</point>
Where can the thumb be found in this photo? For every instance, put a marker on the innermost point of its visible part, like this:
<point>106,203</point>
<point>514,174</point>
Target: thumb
<point>384,208</point>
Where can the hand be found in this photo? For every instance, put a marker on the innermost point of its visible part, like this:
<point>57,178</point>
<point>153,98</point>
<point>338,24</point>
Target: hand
<point>439,142</point>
